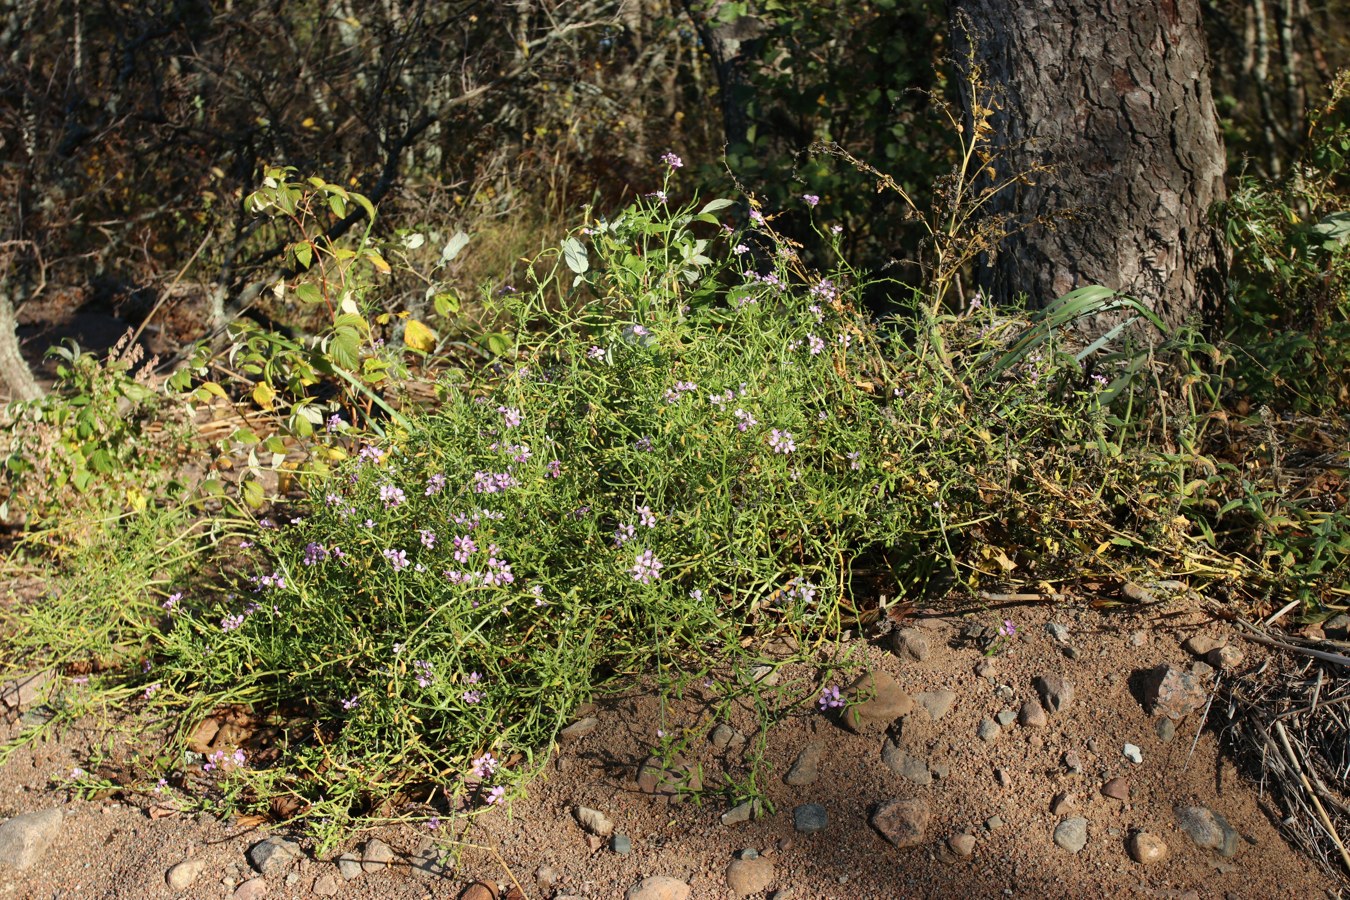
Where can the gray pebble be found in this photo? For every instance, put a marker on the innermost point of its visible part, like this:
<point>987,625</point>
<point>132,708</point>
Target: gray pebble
<point>988,730</point>
<point>803,771</point>
<point>621,844</point>
<point>1166,729</point>
<point>810,818</point>
<point>1005,718</point>
<point>1072,834</point>
<point>273,855</point>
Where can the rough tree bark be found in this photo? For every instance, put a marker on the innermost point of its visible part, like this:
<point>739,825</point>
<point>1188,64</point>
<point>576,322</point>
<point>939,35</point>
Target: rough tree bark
<point>16,379</point>
<point>1114,95</point>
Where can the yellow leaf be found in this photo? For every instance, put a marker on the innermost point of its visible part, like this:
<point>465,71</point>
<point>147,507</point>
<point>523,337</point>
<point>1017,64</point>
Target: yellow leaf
<point>418,336</point>
<point>263,395</point>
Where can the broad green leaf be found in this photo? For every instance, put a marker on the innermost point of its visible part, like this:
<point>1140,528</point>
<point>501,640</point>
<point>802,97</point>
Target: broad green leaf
<point>252,492</point>
<point>309,293</point>
<point>713,206</point>
<point>574,254</point>
<point>304,254</point>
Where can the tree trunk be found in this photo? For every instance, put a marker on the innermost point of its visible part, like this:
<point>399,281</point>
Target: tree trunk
<point>1115,98</point>
<point>732,43</point>
<point>16,379</point>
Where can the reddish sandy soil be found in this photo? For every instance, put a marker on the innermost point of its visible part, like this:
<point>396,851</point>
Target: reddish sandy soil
<point>116,850</point>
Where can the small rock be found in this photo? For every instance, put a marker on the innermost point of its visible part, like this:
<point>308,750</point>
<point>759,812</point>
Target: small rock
<point>1173,693</point>
<point>1138,638</point>
<point>741,812</point>
<point>1072,834</point>
<point>1117,789</point>
<point>1056,692</point>
<point>911,644</point>
<point>747,853</point>
<point>25,838</point>
<point>810,818</point>
<point>578,729</point>
<point>1133,754</point>
<point>1136,593</point>
<point>1208,829</point>
<point>325,885</point>
<point>1146,848</point>
<point>749,876</point>
<point>993,823</point>
<point>1058,632</point>
<point>1005,693</point>
<point>621,844</point>
<point>1201,669</point>
<point>877,702</point>
<point>1031,715</point>
<point>292,879</point>
<point>962,844</point>
<point>659,887</point>
<point>765,675</point>
<point>181,876</point>
<point>253,889</point>
<point>546,877</point>
<point>939,770</point>
<point>985,668</point>
<point>1003,778</point>
<point>1201,645</point>
<point>724,736</point>
<point>804,768</point>
<point>936,703</point>
<point>376,856</point>
<point>1005,718</point>
<point>673,783</point>
<point>594,821</point>
<point>479,890</point>
<point>902,822</point>
<point>1072,652</point>
<point>349,866</point>
<point>1166,730</point>
<point>1092,745</point>
<point>1225,657</point>
<point>23,692</point>
<point>1062,802</point>
<point>1337,627</point>
<point>273,855</point>
<point>903,764</point>
<point>988,730</point>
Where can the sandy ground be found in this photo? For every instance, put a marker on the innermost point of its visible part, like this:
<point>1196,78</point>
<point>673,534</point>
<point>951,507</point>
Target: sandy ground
<point>116,850</point>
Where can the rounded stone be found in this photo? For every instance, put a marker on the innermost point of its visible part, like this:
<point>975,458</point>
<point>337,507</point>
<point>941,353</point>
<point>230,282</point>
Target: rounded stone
<point>659,887</point>
<point>1072,834</point>
<point>1117,789</point>
<point>181,876</point>
<point>1145,848</point>
<point>962,845</point>
<point>902,822</point>
<point>746,877</point>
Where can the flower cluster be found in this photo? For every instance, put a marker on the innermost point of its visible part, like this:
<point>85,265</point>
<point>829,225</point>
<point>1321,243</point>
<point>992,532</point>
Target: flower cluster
<point>391,496</point>
<point>830,699</point>
<point>397,558</point>
<point>493,482</point>
<point>782,442</point>
<point>646,567</point>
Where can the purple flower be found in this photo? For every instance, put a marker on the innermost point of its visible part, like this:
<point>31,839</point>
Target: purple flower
<point>643,443</point>
<point>829,698</point>
<point>836,229</point>
<point>744,420</point>
<point>811,200</point>
<point>314,554</point>
<point>740,249</point>
<point>351,703</point>
<point>640,331</point>
<point>424,672</point>
<point>464,548</point>
<point>428,538</point>
<point>391,496</point>
<point>817,344</point>
<point>623,534</point>
<point>397,558</point>
<point>595,352</point>
<point>150,690</point>
<point>646,567</point>
<point>853,460</point>
<point>371,453</point>
<point>1008,629</point>
<point>493,482</point>
<point>484,766</point>
<point>510,416</point>
<point>496,795</point>
<point>645,517</point>
<point>435,484</point>
<point>472,697</point>
<point>781,442</point>
<point>757,217</point>
<point>671,160</point>
<point>230,623</point>
<point>658,196</point>
<point>334,423</point>
<point>555,468</point>
<point>172,601</point>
